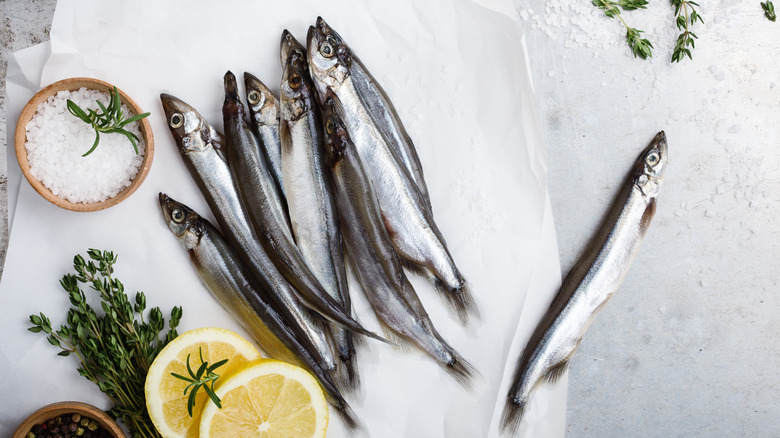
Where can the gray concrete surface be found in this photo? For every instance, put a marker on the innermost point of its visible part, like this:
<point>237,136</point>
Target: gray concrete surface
<point>688,346</point>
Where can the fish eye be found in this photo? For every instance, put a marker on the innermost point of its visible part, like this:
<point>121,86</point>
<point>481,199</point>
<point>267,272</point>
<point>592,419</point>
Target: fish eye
<point>176,120</point>
<point>330,128</point>
<point>295,81</point>
<point>177,215</point>
<point>327,50</point>
<point>652,158</point>
<point>253,97</point>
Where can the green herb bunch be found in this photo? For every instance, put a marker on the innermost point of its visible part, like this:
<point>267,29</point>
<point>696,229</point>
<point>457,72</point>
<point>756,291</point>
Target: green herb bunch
<point>769,10</point>
<point>116,347</point>
<point>640,47</point>
<point>109,120</point>
<point>686,15</point>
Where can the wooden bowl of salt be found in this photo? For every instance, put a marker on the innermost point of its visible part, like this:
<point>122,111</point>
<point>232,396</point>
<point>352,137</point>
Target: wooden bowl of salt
<point>50,141</point>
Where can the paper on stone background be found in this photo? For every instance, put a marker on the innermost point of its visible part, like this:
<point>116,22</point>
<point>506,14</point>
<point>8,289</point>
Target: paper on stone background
<point>457,75</point>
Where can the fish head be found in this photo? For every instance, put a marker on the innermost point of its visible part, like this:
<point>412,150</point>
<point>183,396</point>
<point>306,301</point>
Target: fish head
<point>263,105</point>
<point>649,170</point>
<point>190,130</point>
<point>290,46</point>
<point>329,57</point>
<point>183,222</point>
<point>232,104</point>
<point>296,93</point>
<point>337,138</point>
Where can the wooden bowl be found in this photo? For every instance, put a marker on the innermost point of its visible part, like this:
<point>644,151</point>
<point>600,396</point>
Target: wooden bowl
<point>74,84</point>
<point>69,407</point>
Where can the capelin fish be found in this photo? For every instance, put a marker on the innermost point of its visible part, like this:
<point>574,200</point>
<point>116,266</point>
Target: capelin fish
<point>381,109</point>
<point>312,210</point>
<point>251,176</point>
<point>377,266</point>
<point>264,119</point>
<point>404,211</point>
<point>202,150</point>
<point>595,277</point>
<point>230,283</point>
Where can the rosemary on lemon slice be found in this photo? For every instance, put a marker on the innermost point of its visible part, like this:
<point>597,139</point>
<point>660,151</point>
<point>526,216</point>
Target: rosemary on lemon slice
<point>204,378</point>
<point>109,120</point>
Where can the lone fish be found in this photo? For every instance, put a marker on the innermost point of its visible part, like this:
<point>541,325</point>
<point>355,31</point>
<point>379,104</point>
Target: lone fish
<point>590,283</point>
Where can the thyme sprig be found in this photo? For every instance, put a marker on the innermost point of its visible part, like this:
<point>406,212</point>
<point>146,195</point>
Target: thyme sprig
<point>110,119</point>
<point>769,10</point>
<point>114,348</point>
<point>640,47</point>
<point>204,378</point>
<point>686,15</point>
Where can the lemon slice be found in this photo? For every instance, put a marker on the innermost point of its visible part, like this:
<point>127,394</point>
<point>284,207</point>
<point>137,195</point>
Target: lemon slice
<point>165,398</point>
<point>268,399</point>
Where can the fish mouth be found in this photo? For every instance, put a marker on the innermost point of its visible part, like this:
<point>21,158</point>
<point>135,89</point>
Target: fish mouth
<point>290,46</point>
<point>660,143</point>
<point>172,104</point>
<point>165,206</point>
<point>231,87</point>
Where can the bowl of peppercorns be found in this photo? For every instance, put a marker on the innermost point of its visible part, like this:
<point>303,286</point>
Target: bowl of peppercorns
<point>69,420</point>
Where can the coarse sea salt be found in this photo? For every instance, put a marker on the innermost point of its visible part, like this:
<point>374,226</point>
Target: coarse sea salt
<point>56,141</point>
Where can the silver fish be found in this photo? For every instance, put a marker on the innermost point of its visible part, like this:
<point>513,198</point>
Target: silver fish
<point>264,119</point>
<point>595,277</point>
<point>404,211</point>
<point>230,283</point>
<point>255,185</point>
<point>383,112</point>
<point>312,210</point>
<point>201,147</point>
<point>377,266</point>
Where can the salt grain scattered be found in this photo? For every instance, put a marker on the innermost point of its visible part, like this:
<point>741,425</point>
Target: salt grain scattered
<point>56,140</point>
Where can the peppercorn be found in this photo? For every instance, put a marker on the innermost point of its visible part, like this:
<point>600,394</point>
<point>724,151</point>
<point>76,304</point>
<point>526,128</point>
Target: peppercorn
<point>76,418</point>
<point>72,427</point>
<point>58,435</point>
<point>37,429</point>
<point>80,431</point>
<point>29,435</point>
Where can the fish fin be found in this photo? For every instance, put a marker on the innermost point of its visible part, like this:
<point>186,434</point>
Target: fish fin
<point>556,372</point>
<point>348,417</point>
<point>462,371</point>
<point>459,300</point>
<point>346,374</point>
<point>398,341</point>
<point>511,416</point>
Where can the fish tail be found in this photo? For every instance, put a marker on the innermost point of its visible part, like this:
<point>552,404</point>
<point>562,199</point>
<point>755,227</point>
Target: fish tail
<point>348,417</point>
<point>511,416</point>
<point>462,371</point>
<point>346,374</point>
<point>458,299</point>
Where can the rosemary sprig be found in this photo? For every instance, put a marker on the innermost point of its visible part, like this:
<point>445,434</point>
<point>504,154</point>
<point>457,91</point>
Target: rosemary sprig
<point>769,10</point>
<point>204,378</point>
<point>686,16</point>
<point>109,120</point>
<point>640,47</point>
<point>116,348</point>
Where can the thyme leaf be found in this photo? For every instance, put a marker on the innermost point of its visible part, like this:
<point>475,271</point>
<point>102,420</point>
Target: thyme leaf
<point>116,346</point>
<point>686,15</point>
<point>640,47</point>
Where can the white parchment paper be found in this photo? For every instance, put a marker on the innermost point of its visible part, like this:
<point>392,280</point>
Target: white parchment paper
<point>458,76</point>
